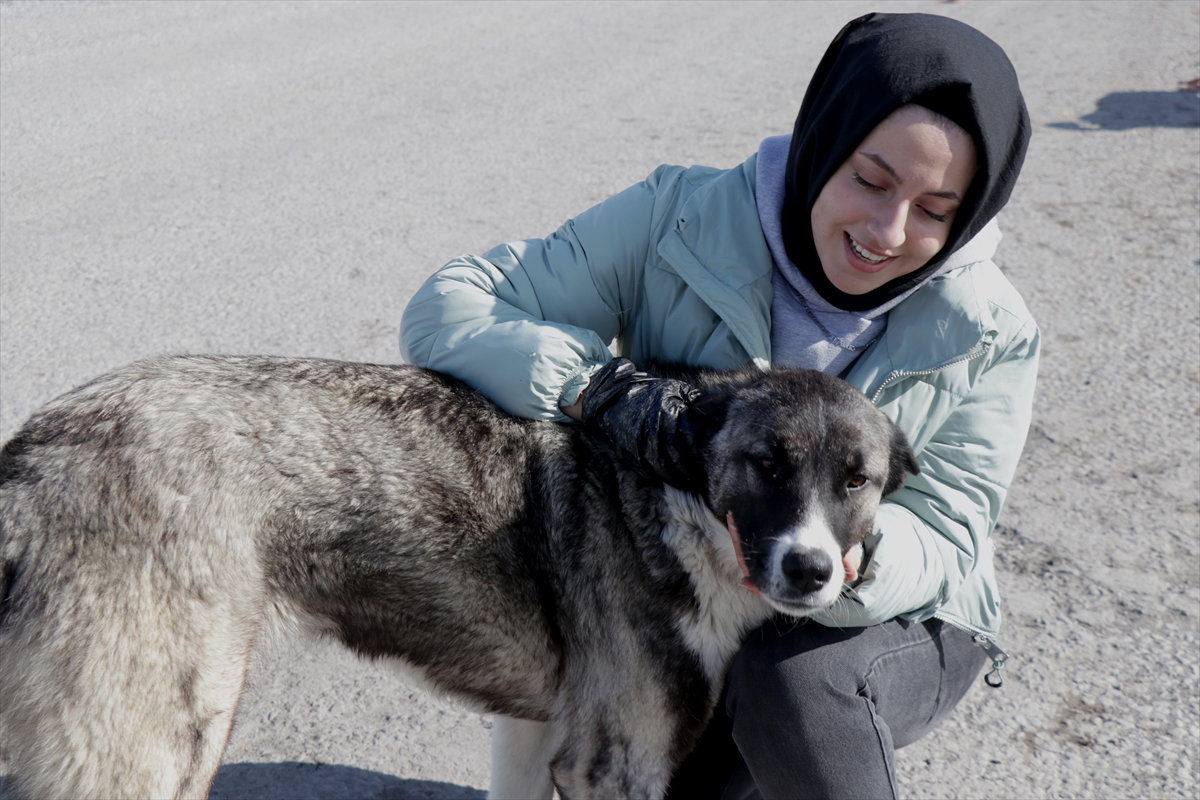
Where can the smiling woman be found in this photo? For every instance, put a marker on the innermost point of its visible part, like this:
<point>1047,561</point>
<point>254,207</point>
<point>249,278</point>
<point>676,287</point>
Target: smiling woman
<point>874,222</point>
<point>859,246</point>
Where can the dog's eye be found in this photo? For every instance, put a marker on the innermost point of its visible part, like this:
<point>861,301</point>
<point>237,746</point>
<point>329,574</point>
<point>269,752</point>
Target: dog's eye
<point>857,482</point>
<point>767,465</point>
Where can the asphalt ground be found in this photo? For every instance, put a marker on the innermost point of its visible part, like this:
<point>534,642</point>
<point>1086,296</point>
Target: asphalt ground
<point>279,178</point>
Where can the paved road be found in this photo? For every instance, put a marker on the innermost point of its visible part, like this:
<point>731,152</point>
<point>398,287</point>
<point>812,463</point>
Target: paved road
<point>279,178</point>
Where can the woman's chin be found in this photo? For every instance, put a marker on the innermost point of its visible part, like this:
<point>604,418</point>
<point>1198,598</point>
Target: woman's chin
<point>855,276</point>
<point>856,282</point>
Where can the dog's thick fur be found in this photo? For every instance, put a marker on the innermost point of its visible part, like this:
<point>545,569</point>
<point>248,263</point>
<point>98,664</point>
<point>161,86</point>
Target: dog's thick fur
<point>155,523</point>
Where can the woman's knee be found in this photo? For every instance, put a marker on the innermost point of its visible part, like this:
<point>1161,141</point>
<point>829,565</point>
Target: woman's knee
<point>787,671</point>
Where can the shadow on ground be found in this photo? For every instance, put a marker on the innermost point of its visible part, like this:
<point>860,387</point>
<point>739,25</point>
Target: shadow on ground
<point>1122,111</point>
<point>328,782</point>
<point>297,781</point>
<point>303,781</point>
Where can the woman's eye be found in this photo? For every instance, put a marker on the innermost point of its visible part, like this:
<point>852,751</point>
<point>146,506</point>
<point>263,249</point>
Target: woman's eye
<point>936,217</point>
<point>863,183</point>
<point>857,482</point>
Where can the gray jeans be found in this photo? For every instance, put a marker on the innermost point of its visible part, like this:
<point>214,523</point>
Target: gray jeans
<point>811,711</point>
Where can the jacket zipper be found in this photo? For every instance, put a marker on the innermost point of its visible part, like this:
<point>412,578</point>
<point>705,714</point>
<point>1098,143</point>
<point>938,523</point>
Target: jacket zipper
<point>995,678</point>
<point>977,350</point>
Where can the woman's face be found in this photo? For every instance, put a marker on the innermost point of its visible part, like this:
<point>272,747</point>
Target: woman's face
<point>888,209</point>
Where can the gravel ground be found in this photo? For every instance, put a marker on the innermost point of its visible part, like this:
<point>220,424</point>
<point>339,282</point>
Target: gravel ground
<point>279,178</point>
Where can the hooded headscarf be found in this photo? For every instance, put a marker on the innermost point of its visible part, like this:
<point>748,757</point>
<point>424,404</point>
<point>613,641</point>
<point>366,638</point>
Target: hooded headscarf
<point>876,64</point>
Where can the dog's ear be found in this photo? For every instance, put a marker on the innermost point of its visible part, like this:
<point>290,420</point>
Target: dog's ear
<point>707,414</point>
<point>901,463</point>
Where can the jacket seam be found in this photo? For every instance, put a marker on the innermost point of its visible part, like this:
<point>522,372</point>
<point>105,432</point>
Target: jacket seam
<point>666,247</point>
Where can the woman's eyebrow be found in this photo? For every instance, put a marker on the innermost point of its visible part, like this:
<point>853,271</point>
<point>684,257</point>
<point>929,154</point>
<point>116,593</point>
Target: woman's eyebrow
<point>886,167</point>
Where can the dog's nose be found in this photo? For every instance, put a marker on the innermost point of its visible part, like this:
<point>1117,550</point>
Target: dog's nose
<point>808,570</point>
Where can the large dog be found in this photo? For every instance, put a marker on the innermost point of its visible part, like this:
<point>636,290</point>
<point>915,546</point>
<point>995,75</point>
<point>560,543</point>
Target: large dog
<point>157,522</point>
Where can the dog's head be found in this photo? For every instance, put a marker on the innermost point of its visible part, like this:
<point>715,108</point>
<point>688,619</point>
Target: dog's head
<point>796,463</point>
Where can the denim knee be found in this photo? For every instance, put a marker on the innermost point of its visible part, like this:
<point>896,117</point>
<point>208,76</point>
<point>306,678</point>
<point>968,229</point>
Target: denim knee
<point>795,673</point>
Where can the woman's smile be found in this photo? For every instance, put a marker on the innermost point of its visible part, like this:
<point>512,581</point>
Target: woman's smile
<point>871,261</point>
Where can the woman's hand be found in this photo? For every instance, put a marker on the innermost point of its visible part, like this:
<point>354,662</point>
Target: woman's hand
<point>645,419</point>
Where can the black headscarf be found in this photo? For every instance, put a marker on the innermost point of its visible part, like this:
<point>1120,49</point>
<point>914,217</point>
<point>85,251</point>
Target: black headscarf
<point>876,64</point>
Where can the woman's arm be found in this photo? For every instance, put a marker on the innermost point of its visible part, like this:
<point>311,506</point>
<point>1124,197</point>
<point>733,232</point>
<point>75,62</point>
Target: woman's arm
<point>936,531</point>
<point>529,322</point>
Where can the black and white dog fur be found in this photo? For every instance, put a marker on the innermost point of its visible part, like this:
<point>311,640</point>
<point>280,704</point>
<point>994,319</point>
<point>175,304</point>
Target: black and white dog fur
<point>156,523</point>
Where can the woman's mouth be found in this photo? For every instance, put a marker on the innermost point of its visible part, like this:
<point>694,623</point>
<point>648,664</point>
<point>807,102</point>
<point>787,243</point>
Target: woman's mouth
<point>863,258</point>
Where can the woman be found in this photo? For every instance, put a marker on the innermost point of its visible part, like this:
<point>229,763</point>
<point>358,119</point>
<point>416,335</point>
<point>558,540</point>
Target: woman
<point>859,246</point>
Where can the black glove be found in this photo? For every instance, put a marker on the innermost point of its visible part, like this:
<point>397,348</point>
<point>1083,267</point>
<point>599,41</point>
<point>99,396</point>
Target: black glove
<point>646,420</point>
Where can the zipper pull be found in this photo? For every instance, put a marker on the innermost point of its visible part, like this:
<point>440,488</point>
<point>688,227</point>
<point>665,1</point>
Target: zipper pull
<point>995,678</point>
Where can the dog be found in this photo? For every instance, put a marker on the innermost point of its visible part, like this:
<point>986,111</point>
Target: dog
<point>158,522</point>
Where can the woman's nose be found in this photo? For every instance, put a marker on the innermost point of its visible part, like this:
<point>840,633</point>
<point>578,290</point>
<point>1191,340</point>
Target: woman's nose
<point>887,225</point>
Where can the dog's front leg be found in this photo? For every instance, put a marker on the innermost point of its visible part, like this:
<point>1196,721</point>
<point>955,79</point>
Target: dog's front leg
<point>521,752</point>
<point>601,761</point>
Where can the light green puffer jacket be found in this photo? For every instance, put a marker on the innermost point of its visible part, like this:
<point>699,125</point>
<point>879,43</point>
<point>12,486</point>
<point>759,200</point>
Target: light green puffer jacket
<point>676,269</point>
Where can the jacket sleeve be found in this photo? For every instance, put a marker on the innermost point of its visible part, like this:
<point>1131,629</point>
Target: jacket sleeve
<point>528,322</point>
<point>936,531</point>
